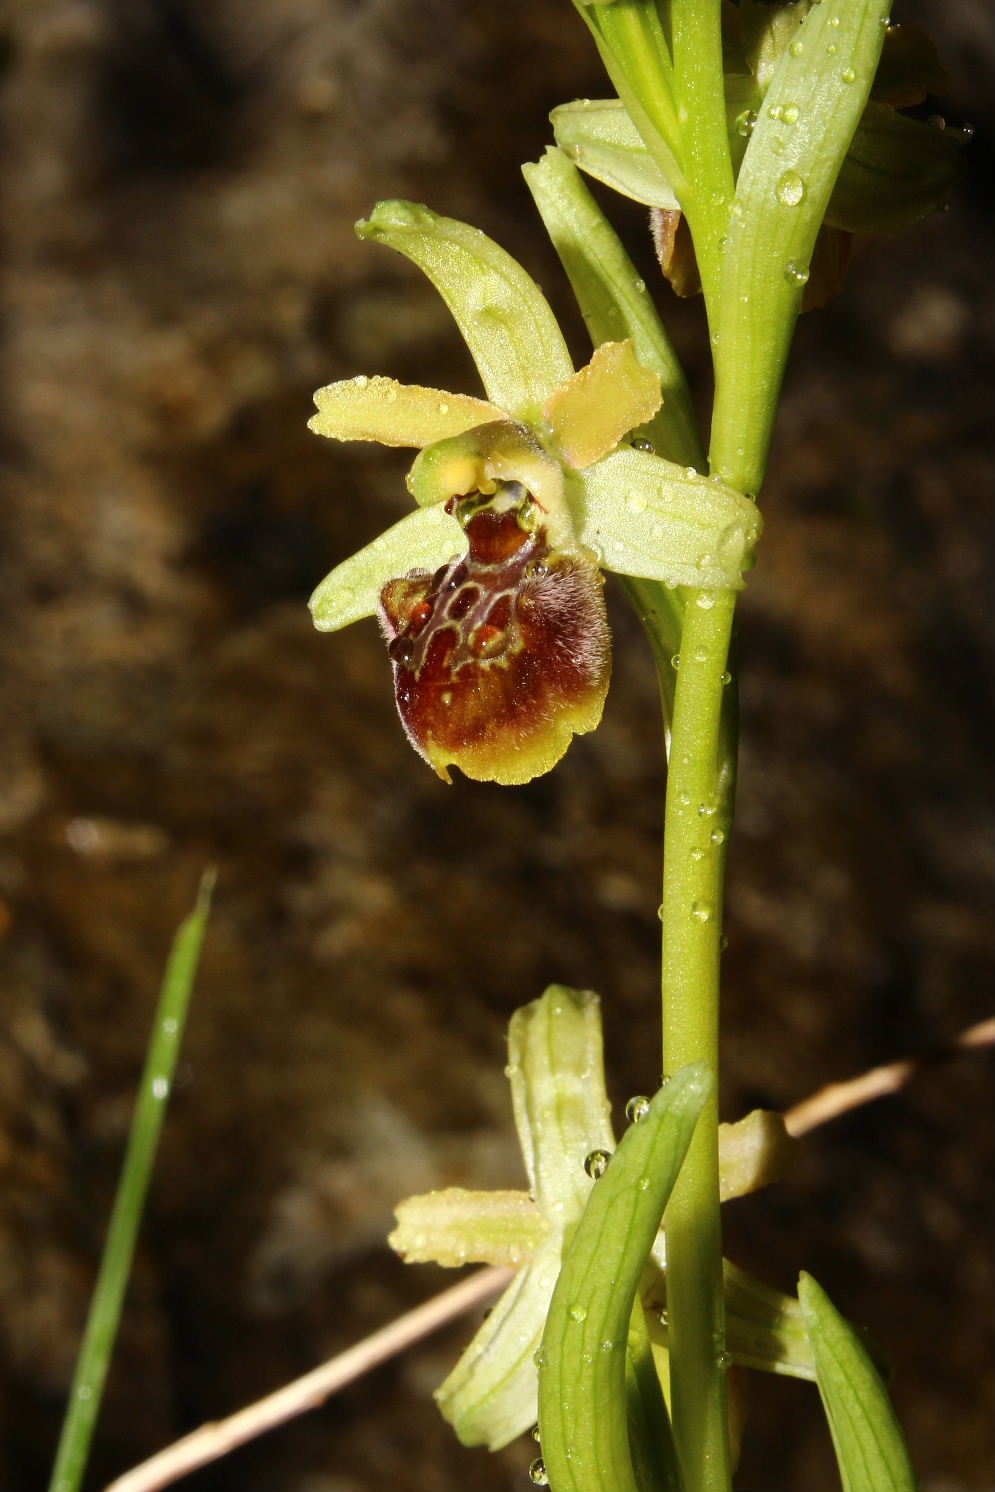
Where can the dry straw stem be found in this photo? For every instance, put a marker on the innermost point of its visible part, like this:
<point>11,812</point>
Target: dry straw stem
<point>214,1440</point>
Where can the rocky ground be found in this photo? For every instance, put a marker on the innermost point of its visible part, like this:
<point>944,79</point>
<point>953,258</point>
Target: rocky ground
<point>181,273</point>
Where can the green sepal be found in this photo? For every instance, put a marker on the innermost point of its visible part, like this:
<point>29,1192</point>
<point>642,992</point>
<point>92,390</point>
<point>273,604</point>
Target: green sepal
<point>562,1113</point>
<point>502,315</point>
<point>583,1404</point>
<point>764,1328</point>
<point>870,1448</point>
<point>491,1395</point>
<point>651,519</point>
<point>599,136</point>
<point>556,1071</point>
<point>421,541</point>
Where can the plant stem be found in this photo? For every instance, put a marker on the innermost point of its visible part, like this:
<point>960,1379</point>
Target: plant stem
<point>699,811</point>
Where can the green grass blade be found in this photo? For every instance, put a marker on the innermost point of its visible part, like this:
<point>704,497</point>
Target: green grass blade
<point>870,1447</point>
<point>115,1267</point>
<point>584,1418</point>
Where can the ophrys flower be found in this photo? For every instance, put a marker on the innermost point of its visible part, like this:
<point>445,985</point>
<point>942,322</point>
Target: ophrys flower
<point>490,595</point>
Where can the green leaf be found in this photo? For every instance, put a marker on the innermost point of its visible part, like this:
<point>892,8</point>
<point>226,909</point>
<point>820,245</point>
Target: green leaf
<point>501,313</point>
<point>870,1447</point>
<point>649,518</point>
<point>129,1201</point>
<point>583,1411</point>
<point>896,171</point>
<point>421,541</point>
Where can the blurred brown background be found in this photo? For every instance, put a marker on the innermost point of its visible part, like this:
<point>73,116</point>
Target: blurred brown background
<point>181,273</point>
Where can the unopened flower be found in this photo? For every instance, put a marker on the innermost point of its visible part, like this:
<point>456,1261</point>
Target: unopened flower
<point>563,1118</point>
<point>490,595</point>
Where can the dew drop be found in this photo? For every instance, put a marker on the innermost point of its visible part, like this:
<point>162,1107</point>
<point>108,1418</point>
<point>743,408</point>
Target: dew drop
<point>640,443</point>
<point>660,911</point>
<point>790,113</point>
<point>718,836</point>
<point>607,1344</point>
<point>675,661</point>
<point>832,49</point>
<point>834,22</point>
<point>725,1361</point>
<point>640,287</point>
<point>539,1358</point>
<point>790,189</point>
<point>706,600</point>
<point>697,854</point>
<point>692,473</point>
<point>443,407</point>
<point>746,122</point>
<point>774,111</point>
<point>170,1026</point>
<point>596,1163</point>
<point>727,677</point>
<point>537,1473</point>
<point>577,1313</point>
<point>702,911</point>
<point>796,48</point>
<point>848,75</point>
<point>795,274</point>
<point>535,1433</point>
<point>160,1088</point>
<point>637,1108</point>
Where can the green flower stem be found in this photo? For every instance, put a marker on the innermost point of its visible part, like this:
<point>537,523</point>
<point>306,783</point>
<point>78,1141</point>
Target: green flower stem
<point>781,197</point>
<point>699,811</point>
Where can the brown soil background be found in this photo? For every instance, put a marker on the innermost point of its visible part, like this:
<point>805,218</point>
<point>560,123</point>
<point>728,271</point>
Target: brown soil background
<point>181,273</point>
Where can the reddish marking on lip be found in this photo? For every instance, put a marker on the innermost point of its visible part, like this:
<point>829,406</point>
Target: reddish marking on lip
<point>499,658</point>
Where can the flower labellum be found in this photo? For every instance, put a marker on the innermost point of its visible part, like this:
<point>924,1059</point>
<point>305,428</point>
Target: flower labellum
<point>500,656</point>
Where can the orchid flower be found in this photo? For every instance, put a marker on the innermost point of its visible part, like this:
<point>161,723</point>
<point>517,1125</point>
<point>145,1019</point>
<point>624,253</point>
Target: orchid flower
<point>563,1118</point>
<point>490,594</point>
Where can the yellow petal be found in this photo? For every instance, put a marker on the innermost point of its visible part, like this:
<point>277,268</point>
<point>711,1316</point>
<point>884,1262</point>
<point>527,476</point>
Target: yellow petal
<point>593,409</point>
<point>395,414</point>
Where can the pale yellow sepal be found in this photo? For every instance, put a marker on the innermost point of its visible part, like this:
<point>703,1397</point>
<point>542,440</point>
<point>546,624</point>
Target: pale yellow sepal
<point>754,1152</point>
<point>395,414</point>
<point>589,413</point>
